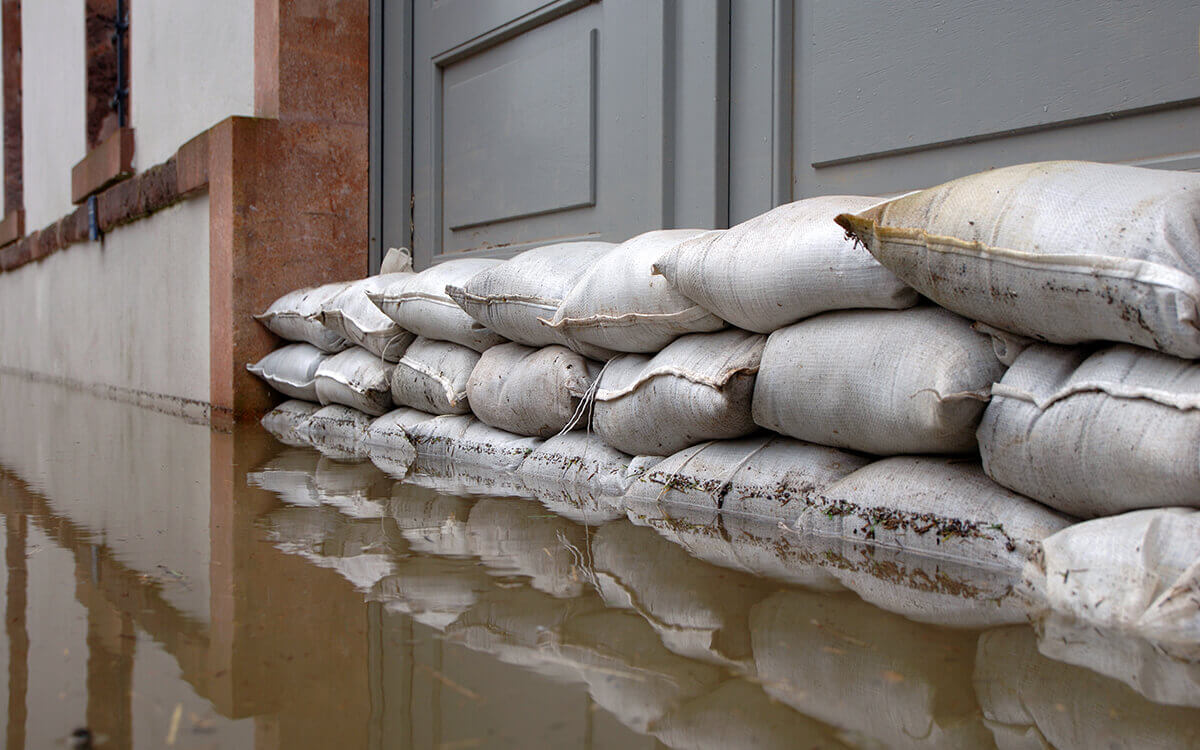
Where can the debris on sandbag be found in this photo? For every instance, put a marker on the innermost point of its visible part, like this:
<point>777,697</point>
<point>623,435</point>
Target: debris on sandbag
<point>419,303</point>
<point>432,377</point>
<point>284,422</point>
<point>528,391</point>
<point>291,370</point>
<point>337,431</point>
<point>579,477</point>
<point>358,379</point>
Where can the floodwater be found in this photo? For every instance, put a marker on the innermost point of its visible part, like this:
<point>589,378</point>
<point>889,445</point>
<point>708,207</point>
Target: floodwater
<point>170,586</point>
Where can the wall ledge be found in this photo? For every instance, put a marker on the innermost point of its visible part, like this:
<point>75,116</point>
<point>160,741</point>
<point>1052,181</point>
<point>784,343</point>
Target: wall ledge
<point>109,162</point>
<point>12,227</point>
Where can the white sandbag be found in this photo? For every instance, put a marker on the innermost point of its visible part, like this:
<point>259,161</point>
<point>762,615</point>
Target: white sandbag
<point>578,462</point>
<point>511,297</point>
<point>1094,433</point>
<point>419,303</point>
<point>286,420</point>
<point>358,379</point>
<point>1138,572</point>
<point>696,389</point>
<point>290,476</point>
<point>291,370</point>
<point>939,507</point>
<point>337,431</point>
<point>386,441</point>
<point>782,266</point>
<point>466,440</point>
<point>768,477</point>
<point>354,317</point>
<point>432,377</point>
<point>620,305</point>
<point>294,317</point>
<point>1030,701</point>
<point>518,538</point>
<point>886,681</point>
<point>529,391</point>
<point>1061,251</point>
<point>885,382</point>
<point>1006,346</point>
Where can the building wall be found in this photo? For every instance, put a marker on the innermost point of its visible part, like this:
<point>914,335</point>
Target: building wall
<point>191,66</point>
<point>53,77</point>
<point>131,312</point>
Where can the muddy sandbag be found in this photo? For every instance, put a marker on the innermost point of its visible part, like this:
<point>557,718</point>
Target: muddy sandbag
<point>698,610</point>
<point>290,475</point>
<point>337,431</point>
<point>386,442</point>
<point>419,303</point>
<point>620,305</point>
<point>358,379</point>
<point>769,477</point>
<point>940,507</point>
<point>1060,251</point>
<point>1139,572</point>
<point>285,421</point>
<point>884,382</point>
<point>880,678</point>
<point>357,489</point>
<point>430,521</point>
<point>511,297</point>
<point>738,714</point>
<point>1096,432</point>
<point>627,669</point>
<point>782,266</point>
<point>466,439</point>
<point>291,370</point>
<point>432,376</point>
<point>1149,667</point>
<point>518,538</point>
<point>434,591</point>
<point>1030,701</point>
<point>354,317</point>
<point>696,389</point>
<point>579,477</point>
<point>529,391</point>
<point>294,317</point>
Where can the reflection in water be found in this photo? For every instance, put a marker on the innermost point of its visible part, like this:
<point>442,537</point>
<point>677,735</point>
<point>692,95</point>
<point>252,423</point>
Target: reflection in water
<point>170,586</point>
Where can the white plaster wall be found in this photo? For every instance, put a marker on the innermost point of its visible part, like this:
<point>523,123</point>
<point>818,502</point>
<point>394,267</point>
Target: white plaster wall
<point>191,66</point>
<point>54,82</point>
<point>131,312</point>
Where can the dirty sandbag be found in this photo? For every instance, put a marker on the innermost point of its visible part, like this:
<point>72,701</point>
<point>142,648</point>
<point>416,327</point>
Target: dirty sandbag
<point>294,317</point>
<point>430,521</point>
<point>1138,572</point>
<point>940,507</point>
<point>1006,346</point>
<point>474,477</point>
<point>509,298</point>
<point>1030,701</point>
<point>628,671</point>
<point>419,303</point>
<point>433,591</point>
<point>738,714</point>
<point>782,266</point>
<point>618,304</point>
<point>291,370</point>
<point>358,489</point>
<point>884,382</point>
<point>518,538</point>
<point>358,379</point>
<point>386,442</point>
<point>354,317</point>
<point>769,477</point>
<point>285,421</point>
<point>878,677</point>
<point>529,391</point>
<point>337,431</point>
<point>1095,432</point>
<point>579,477</point>
<point>1062,251</point>
<point>290,475</point>
<point>698,610</point>
<point>466,440</point>
<point>696,389</point>
<point>432,376</point>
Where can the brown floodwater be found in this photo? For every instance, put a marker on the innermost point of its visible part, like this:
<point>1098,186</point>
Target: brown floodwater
<point>170,586</point>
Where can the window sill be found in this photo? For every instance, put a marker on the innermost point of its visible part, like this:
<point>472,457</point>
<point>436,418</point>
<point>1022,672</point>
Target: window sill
<point>108,163</point>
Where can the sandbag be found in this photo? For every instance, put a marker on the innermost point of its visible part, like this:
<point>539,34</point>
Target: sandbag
<point>769,477</point>
<point>354,317</point>
<point>945,508</point>
<point>782,266</point>
<point>577,475</point>
<point>419,303</point>
<point>294,317</point>
<point>619,305</point>
<point>290,370</point>
<point>696,389</point>
<point>1063,251</point>
<point>885,382</point>
<point>518,538</point>
<point>432,377</point>
<point>358,379</point>
<point>466,440</point>
<point>1096,432</point>
<point>337,431</point>
<point>528,391</point>
<point>386,440</point>
<point>511,297</point>
<point>1139,572</point>
<point>285,421</point>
